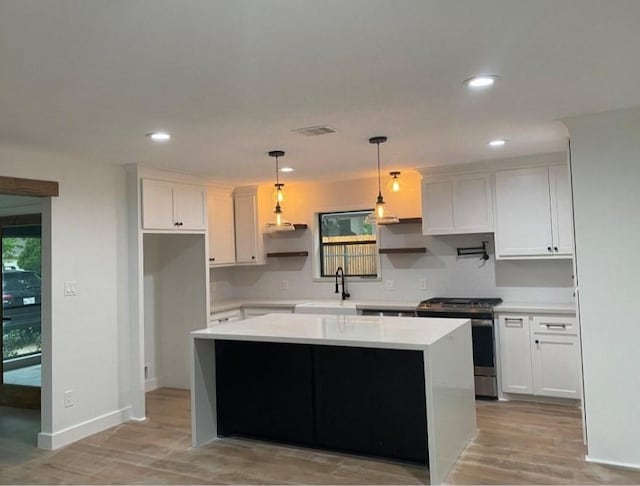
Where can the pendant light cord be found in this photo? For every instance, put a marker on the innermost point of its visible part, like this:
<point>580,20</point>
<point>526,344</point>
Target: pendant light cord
<point>379,189</point>
<point>277,179</point>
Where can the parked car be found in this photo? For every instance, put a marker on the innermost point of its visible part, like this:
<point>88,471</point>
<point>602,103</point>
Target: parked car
<point>20,288</point>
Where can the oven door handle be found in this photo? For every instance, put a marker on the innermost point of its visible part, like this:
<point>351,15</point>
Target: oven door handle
<point>481,323</point>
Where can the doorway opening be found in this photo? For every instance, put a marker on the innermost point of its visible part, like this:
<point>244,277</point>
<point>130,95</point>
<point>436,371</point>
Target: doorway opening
<point>21,337</point>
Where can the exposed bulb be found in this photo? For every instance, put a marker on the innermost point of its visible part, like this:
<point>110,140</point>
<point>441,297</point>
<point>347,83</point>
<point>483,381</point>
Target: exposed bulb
<point>278,194</point>
<point>395,186</point>
<point>380,210</point>
<point>278,218</point>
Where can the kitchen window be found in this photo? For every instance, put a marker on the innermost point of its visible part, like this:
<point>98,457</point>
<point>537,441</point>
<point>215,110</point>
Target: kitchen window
<point>347,241</point>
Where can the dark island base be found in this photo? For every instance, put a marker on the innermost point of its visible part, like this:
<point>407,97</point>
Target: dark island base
<point>360,400</point>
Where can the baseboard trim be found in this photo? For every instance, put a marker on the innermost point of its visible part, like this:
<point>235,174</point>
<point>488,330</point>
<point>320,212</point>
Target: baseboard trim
<point>151,384</point>
<point>622,465</point>
<point>516,397</point>
<point>71,434</point>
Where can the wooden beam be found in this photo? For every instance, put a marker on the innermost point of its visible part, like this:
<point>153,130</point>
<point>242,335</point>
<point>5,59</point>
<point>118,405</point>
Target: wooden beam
<point>16,186</point>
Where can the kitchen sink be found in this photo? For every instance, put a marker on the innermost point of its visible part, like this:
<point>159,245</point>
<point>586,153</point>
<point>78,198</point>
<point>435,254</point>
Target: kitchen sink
<point>341,307</point>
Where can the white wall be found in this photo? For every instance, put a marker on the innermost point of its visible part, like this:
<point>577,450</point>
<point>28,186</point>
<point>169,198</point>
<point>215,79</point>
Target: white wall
<point>606,180</point>
<point>174,302</point>
<point>446,274</point>
<point>85,342</point>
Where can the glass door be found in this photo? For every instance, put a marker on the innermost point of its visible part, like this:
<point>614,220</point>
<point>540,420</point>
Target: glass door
<point>20,369</point>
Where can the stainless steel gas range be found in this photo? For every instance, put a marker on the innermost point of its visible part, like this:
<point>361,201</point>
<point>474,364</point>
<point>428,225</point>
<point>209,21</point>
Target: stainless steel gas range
<point>480,311</point>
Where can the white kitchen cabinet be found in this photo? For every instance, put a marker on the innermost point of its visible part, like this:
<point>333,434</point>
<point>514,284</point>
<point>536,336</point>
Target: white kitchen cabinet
<point>561,211</point>
<point>246,226</point>
<point>540,355</point>
<point>555,357</point>
<point>173,206</point>
<point>515,354</point>
<point>222,241</point>
<point>224,317</point>
<point>454,204</point>
<point>533,213</point>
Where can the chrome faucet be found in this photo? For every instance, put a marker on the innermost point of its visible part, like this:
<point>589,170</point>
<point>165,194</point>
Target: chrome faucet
<point>340,273</point>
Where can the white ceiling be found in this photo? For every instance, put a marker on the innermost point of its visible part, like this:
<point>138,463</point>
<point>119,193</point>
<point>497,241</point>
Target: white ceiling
<point>230,79</point>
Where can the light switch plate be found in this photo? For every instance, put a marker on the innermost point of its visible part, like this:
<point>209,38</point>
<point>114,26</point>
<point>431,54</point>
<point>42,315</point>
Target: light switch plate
<point>422,284</point>
<point>70,288</point>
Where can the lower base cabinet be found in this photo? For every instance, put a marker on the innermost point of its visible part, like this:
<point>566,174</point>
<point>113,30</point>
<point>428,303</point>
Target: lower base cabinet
<point>540,355</point>
<point>362,400</point>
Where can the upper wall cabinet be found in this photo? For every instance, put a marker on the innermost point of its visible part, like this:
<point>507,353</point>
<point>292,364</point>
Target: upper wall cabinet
<point>248,247</point>
<point>454,204</point>
<point>222,241</point>
<point>173,206</point>
<point>533,213</point>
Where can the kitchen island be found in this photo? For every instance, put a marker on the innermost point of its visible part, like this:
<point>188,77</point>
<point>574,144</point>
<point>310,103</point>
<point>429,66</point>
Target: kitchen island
<point>395,387</point>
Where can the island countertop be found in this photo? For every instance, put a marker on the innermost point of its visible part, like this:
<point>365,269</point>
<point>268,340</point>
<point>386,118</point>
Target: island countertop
<point>445,365</point>
<point>364,331</point>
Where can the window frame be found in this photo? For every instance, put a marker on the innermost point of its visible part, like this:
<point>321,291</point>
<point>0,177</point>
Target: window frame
<point>318,263</point>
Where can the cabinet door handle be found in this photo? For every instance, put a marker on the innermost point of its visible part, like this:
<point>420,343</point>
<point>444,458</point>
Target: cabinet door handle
<point>560,326</point>
<point>555,248</point>
<point>548,248</point>
<point>511,322</point>
<point>224,319</point>
<point>253,257</point>
<point>212,259</point>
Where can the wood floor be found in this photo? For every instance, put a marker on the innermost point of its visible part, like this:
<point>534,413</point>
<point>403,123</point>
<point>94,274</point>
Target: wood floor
<point>517,443</point>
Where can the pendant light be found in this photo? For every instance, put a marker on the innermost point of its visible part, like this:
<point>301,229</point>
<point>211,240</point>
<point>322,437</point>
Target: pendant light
<point>279,224</point>
<point>395,183</point>
<point>380,214</point>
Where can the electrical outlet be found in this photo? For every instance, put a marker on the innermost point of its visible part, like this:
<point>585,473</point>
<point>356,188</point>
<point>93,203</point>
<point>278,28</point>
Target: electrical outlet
<point>68,398</point>
<point>390,284</point>
<point>422,284</point>
<point>284,285</point>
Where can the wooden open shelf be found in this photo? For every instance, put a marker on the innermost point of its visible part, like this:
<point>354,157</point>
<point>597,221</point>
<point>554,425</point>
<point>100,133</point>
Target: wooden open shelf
<point>280,254</point>
<point>410,220</point>
<point>402,250</point>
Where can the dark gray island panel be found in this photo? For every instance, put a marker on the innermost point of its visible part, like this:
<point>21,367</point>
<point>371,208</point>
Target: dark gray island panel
<point>353,399</point>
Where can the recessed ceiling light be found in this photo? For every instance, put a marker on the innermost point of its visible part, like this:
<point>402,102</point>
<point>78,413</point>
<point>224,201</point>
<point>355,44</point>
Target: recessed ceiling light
<point>159,136</point>
<point>497,143</point>
<point>287,169</point>
<point>481,81</point>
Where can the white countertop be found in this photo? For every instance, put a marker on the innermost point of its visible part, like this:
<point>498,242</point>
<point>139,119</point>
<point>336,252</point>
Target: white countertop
<point>365,331</point>
<point>391,305</point>
<point>529,308</point>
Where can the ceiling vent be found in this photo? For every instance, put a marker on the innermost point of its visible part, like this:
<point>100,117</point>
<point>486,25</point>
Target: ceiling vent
<point>314,131</point>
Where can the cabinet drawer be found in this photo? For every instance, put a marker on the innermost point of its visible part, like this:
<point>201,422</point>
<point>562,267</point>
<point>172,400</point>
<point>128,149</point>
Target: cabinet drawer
<point>224,317</point>
<point>554,325</point>
<point>260,311</point>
